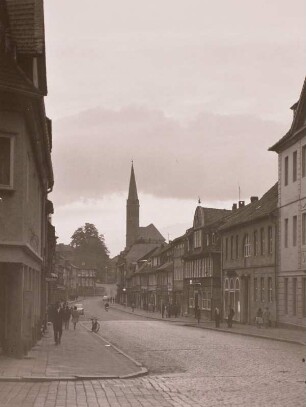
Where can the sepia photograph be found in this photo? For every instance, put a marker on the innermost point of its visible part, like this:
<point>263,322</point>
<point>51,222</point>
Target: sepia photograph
<point>152,203</point>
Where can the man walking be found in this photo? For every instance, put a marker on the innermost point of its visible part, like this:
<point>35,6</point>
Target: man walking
<point>58,317</point>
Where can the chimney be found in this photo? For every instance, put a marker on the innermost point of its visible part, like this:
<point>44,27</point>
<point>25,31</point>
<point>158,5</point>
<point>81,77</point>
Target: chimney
<point>254,199</point>
<point>241,204</point>
<point>234,207</point>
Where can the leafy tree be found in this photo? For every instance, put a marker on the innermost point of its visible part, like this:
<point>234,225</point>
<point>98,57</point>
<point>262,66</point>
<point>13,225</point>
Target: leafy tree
<point>90,249</point>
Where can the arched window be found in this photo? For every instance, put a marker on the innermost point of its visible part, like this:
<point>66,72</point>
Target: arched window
<point>246,246</point>
<point>226,285</point>
<point>231,284</point>
<point>237,284</point>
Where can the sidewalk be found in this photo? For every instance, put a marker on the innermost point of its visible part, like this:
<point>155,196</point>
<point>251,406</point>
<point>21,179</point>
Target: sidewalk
<point>279,334</point>
<point>81,355</point>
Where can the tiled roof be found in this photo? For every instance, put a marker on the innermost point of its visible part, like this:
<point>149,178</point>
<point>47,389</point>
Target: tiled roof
<point>255,210</point>
<point>12,77</point>
<point>138,250</point>
<point>150,233</point>
<point>26,19</point>
<point>299,108</point>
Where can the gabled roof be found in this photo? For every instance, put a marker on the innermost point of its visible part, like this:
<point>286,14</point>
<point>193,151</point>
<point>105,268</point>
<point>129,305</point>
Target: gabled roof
<point>299,108</point>
<point>138,250</point>
<point>150,234</point>
<point>26,19</point>
<point>13,79</point>
<point>255,210</point>
<point>206,216</point>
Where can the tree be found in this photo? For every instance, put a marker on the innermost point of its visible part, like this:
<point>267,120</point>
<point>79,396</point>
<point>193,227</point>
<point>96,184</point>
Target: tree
<point>90,250</point>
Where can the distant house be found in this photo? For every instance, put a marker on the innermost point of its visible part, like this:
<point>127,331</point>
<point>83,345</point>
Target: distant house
<point>291,275</point>
<point>249,239</point>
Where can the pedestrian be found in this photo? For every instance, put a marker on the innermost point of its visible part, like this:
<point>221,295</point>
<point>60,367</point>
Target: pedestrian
<point>67,315</point>
<point>57,320</point>
<point>266,317</point>
<point>198,314</point>
<point>217,317</point>
<point>75,316</point>
<point>230,317</point>
<point>258,319</point>
<point>133,306</point>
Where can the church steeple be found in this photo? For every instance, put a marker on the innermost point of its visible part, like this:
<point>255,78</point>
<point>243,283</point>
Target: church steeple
<point>132,211</point>
<point>133,196</point>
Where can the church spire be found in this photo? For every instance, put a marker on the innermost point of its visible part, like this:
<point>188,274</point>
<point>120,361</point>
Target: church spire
<point>132,211</point>
<point>133,196</point>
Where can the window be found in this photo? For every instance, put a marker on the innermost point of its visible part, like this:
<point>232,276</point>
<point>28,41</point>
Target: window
<point>255,289</point>
<point>304,161</point>
<point>255,243</point>
<point>270,240</point>
<point>286,295</point>
<point>213,238</point>
<point>294,166</point>
<point>270,289</point>
<point>262,289</point>
<point>286,170</point>
<point>286,233</point>
<point>303,229</point>
<point>294,230</point>
<point>237,246</point>
<point>6,162</point>
<point>197,238</point>
<point>247,246</point>
<point>294,296</point>
<point>262,241</point>
<point>206,301</point>
<point>226,248</point>
<point>232,247</point>
<point>207,239</point>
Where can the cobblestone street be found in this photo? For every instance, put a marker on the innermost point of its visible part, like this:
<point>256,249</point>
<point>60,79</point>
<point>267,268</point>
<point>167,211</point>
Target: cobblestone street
<point>187,367</point>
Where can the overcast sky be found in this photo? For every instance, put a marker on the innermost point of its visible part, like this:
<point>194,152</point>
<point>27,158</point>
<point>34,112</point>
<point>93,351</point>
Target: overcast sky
<point>193,91</point>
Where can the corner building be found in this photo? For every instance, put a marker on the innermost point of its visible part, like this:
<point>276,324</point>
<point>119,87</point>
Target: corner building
<point>291,275</point>
<point>26,175</point>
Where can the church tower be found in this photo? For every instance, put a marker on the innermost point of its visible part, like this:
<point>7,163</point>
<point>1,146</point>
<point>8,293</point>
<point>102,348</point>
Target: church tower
<point>132,212</point>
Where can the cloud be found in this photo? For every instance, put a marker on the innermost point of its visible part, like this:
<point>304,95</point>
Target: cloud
<point>208,157</point>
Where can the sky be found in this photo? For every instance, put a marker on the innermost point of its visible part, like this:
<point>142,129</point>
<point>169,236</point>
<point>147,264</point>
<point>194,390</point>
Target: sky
<point>193,91</point>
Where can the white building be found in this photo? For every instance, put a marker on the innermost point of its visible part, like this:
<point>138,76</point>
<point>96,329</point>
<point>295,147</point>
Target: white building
<point>291,281</point>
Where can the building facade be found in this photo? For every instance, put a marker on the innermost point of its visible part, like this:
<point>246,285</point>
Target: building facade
<point>249,239</point>
<point>202,262</point>
<point>26,175</point>
<point>291,279</point>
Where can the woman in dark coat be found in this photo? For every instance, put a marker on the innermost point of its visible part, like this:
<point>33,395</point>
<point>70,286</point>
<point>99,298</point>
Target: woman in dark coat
<point>217,317</point>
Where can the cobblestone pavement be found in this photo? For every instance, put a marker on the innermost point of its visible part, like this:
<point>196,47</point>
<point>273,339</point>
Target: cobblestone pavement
<point>155,391</point>
<point>81,353</point>
<point>282,334</point>
<point>187,367</point>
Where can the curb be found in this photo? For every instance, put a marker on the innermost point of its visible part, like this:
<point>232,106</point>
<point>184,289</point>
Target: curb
<point>41,379</point>
<point>193,325</point>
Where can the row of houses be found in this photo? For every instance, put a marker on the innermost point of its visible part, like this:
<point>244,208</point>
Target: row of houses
<point>252,256</point>
<point>69,281</point>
